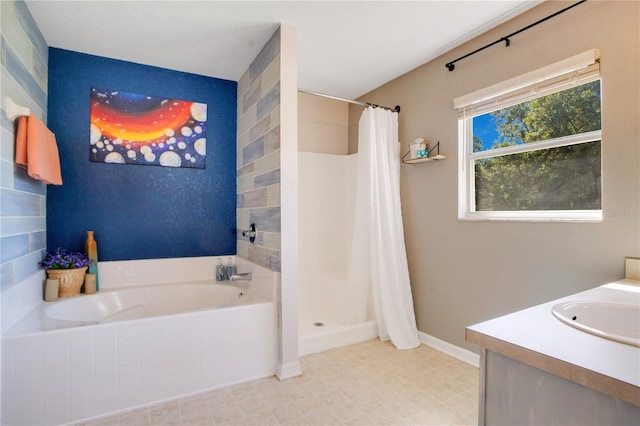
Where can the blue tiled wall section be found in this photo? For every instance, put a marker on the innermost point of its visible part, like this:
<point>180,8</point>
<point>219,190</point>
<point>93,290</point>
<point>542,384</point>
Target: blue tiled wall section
<point>258,151</point>
<point>22,199</point>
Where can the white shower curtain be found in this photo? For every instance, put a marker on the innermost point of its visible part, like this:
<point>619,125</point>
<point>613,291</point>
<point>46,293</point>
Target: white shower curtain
<point>378,254</point>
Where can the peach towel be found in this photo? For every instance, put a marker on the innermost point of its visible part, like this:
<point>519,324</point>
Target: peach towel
<point>36,148</point>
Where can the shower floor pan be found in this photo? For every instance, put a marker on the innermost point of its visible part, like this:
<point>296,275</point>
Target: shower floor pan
<point>320,335</point>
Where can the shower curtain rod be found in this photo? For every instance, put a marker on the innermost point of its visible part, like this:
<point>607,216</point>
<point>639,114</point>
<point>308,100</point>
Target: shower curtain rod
<point>309,92</point>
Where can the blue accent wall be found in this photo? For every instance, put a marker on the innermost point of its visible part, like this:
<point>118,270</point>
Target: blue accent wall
<point>140,211</point>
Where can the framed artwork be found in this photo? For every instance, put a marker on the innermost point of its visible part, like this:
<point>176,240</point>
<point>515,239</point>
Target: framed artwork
<point>129,128</point>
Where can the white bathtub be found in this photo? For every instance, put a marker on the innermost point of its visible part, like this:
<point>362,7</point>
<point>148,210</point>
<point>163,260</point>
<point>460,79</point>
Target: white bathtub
<point>146,301</point>
<point>126,347</point>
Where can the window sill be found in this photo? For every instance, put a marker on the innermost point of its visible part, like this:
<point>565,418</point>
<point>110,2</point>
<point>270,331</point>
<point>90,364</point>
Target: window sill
<point>590,216</point>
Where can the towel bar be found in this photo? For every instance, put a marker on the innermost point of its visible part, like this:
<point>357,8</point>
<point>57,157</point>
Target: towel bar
<point>14,110</point>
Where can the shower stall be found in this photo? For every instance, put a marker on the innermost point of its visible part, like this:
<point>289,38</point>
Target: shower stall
<point>326,204</point>
<point>326,217</point>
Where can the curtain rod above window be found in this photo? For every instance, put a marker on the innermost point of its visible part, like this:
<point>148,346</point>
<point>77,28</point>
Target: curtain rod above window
<point>365,104</point>
<point>507,39</point>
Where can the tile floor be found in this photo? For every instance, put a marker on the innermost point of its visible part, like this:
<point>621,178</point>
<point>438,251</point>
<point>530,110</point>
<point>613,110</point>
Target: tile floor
<point>369,383</point>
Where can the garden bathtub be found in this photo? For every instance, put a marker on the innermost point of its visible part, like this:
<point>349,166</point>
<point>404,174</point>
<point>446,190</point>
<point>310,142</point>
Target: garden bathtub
<point>125,347</point>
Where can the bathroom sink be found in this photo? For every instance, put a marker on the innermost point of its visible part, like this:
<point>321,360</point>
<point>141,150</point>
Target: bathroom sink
<point>613,321</point>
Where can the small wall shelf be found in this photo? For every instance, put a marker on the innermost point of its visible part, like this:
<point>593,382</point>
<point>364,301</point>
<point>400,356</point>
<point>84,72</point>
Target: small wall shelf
<point>424,159</point>
<point>436,157</point>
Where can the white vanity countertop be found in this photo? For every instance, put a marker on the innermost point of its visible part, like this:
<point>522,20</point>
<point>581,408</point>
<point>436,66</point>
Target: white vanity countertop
<point>534,336</point>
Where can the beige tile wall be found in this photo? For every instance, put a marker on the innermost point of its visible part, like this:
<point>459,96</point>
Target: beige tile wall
<point>268,88</point>
<point>258,157</point>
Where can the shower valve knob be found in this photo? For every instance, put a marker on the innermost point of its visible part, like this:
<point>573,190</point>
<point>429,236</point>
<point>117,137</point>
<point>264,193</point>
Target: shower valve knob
<point>251,233</point>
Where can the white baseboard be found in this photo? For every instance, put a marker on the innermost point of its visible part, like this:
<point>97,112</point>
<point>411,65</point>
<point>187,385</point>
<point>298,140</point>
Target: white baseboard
<point>288,370</point>
<point>457,352</point>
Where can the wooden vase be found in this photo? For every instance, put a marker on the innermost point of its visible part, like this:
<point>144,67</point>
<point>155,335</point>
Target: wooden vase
<point>91,249</point>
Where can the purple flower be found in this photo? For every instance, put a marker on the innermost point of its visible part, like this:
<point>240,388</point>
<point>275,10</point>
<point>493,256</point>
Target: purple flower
<point>62,259</point>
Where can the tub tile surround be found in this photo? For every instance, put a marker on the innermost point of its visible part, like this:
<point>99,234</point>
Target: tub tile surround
<point>19,300</point>
<point>258,157</point>
<point>67,375</point>
<point>24,61</point>
<point>265,144</point>
<point>128,273</point>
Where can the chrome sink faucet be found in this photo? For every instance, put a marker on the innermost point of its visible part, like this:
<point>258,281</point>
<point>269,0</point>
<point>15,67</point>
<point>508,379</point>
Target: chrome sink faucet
<point>241,277</point>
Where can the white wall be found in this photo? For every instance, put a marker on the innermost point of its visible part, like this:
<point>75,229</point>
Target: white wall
<point>289,365</point>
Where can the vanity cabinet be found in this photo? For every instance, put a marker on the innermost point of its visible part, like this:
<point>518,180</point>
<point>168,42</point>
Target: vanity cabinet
<point>516,393</point>
<point>536,370</point>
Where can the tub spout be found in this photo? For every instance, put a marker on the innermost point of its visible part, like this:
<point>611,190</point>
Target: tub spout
<point>241,277</point>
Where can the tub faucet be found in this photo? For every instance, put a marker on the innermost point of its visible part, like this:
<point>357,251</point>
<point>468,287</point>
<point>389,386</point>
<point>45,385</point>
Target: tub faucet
<point>241,277</point>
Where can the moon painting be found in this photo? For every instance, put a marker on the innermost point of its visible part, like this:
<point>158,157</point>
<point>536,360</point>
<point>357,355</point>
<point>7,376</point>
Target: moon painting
<point>128,128</point>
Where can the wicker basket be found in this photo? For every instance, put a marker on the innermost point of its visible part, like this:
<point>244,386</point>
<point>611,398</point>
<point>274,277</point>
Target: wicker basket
<point>69,280</point>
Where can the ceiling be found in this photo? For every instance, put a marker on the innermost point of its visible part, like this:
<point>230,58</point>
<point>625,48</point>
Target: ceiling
<point>345,48</point>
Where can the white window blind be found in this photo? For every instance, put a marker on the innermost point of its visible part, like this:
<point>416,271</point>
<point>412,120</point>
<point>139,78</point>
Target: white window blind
<point>571,72</point>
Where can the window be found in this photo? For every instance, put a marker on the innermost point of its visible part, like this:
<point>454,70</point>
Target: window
<point>530,147</point>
